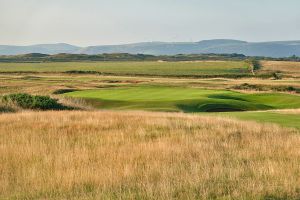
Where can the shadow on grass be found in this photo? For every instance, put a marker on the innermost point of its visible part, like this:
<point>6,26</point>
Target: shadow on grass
<point>209,108</point>
<point>63,91</point>
<point>226,97</point>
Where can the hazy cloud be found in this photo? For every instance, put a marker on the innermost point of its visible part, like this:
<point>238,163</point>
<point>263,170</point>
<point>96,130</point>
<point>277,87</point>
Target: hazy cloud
<point>93,22</point>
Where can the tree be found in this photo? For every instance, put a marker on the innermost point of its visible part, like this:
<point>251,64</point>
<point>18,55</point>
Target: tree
<point>254,65</point>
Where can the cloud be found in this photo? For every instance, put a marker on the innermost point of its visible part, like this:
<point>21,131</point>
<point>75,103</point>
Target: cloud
<point>92,22</point>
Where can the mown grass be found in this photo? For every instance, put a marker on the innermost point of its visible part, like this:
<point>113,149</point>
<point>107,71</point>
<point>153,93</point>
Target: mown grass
<point>139,155</point>
<point>134,68</point>
<point>184,99</point>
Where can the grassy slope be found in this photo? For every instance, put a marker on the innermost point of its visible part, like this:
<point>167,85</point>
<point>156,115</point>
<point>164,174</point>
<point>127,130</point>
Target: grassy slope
<point>134,68</point>
<point>138,155</point>
<point>184,99</point>
<point>287,120</point>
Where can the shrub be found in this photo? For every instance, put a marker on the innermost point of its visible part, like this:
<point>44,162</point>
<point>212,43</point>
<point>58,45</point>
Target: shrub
<point>45,103</point>
<point>27,101</point>
<point>277,76</point>
<point>254,64</point>
<point>21,100</point>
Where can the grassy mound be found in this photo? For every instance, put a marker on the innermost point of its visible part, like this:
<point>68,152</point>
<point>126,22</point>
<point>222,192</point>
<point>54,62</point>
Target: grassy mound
<point>184,99</point>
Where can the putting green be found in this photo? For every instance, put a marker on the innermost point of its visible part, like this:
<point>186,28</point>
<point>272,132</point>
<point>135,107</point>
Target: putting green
<point>159,98</point>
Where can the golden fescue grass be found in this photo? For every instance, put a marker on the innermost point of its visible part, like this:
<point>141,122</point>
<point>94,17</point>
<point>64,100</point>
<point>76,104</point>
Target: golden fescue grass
<point>76,103</point>
<point>140,155</point>
<point>288,111</point>
<point>290,68</point>
<point>4,108</point>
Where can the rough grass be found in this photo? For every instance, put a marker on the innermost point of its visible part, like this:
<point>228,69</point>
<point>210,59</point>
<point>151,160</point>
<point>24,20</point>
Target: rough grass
<point>4,108</point>
<point>288,111</point>
<point>134,68</point>
<point>184,99</point>
<point>285,67</point>
<point>49,83</point>
<point>138,155</point>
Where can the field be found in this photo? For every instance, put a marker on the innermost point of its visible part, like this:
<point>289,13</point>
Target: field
<point>163,156</point>
<point>171,89</point>
<point>152,130</point>
<point>133,68</point>
<point>290,68</point>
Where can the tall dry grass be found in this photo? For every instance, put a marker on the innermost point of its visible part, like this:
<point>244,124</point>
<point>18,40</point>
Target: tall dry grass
<point>288,111</point>
<point>290,68</point>
<point>139,155</point>
<point>75,103</point>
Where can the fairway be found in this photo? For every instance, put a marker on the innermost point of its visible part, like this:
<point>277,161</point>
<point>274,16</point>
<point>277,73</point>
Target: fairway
<point>134,68</point>
<point>161,98</point>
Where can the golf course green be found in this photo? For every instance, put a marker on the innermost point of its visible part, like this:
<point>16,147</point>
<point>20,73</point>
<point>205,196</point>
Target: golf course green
<point>180,99</point>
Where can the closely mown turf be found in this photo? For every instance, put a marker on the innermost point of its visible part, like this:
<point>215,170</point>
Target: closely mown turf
<point>184,99</point>
<point>134,68</point>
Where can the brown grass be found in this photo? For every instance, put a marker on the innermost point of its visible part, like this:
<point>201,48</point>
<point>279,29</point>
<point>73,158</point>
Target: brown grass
<point>290,68</point>
<point>46,84</point>
<point>288,111</point>
<point>4,108</point>
<point>76,103</point>
<point>140,155</point>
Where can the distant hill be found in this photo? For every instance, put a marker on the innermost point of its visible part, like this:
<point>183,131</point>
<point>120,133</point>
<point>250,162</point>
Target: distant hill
<point>40,48</point>
<point>220,46</point>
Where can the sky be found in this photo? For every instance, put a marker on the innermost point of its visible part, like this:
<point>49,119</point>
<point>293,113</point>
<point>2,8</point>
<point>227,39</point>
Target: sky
<point>102,22</point>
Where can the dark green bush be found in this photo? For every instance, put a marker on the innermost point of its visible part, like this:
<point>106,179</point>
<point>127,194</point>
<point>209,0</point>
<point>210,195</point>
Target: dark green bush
<point>21,100</point>
<point>254,64</point>
<point>27,101</point>
<point>45,103</point>
<point>277,76</point>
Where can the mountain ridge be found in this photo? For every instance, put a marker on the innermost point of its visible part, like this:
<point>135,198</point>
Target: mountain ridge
<point>218,46</point>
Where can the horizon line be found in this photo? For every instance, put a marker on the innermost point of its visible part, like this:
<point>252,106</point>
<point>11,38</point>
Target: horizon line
<point>130,43</point>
